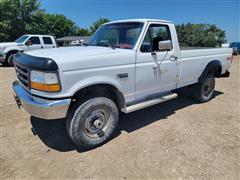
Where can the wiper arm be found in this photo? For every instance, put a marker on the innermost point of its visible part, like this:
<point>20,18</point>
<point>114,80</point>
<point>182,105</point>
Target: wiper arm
<point>115,46</point>
<point>108,45</point>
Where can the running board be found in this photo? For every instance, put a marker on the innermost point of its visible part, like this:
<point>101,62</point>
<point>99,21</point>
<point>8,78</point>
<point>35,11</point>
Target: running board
<point>151,102</point>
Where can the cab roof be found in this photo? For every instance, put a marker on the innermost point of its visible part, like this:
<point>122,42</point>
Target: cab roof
<point>36,35</point>
<point>139,20</point>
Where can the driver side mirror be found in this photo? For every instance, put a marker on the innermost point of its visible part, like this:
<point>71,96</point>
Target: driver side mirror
<point>165,45</point>
<point>28,43</point>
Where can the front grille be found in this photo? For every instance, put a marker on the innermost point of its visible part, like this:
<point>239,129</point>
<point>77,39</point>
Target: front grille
<point>22,75</point>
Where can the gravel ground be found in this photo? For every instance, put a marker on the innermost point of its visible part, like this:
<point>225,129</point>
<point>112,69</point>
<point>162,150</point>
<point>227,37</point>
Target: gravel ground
<point>178,139</point>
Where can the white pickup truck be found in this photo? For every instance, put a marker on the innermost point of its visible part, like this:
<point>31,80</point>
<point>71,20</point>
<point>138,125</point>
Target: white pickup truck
<point>25,43</point>
<point>126,66</point>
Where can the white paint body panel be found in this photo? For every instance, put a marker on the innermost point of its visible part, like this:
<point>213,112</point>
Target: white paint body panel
<point>80,67</point>
<point>193,63</point>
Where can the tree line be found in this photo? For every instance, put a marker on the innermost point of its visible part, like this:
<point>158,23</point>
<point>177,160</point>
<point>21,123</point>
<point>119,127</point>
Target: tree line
<point>18,17</point>
<point>200,35</point>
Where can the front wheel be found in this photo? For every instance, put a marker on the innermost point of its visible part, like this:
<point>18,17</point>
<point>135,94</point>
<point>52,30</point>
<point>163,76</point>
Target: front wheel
<point>10,60</point>
<point>203,91</point>
<point>92,123</point>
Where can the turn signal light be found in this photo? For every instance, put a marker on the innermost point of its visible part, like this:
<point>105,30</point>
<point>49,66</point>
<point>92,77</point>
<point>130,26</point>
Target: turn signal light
<point>45,87</point>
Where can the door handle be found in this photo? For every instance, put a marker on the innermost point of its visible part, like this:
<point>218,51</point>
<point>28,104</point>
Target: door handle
<point>154,67</point>
<point>173,58</point>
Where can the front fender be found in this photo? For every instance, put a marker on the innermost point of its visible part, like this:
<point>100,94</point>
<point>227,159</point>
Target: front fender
<point>94,80</point>
<point>12,48</point>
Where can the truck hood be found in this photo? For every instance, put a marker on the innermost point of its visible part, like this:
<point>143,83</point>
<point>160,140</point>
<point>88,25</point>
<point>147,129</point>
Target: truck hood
<point>60,54</point>
<point>7,44</point>
<point>81,57</point>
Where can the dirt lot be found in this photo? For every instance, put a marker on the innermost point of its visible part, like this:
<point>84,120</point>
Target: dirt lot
<point>178,139</point>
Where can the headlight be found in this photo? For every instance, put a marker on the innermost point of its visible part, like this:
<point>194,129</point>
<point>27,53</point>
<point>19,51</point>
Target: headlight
<point>45,81</point>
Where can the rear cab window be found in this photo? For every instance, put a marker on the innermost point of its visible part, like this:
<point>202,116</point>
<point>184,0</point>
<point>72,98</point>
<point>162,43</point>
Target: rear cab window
<point>47,40</point>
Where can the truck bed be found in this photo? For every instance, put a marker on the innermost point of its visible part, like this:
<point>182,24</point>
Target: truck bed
<point>187,52</point>
<point>194,61</point>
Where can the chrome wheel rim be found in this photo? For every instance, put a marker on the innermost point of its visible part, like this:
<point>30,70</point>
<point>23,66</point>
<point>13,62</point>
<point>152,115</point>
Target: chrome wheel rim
<point>97,123</point>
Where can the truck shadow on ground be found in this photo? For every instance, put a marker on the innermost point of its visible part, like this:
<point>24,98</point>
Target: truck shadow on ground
<point>54,135</point>
<point>5,65</point>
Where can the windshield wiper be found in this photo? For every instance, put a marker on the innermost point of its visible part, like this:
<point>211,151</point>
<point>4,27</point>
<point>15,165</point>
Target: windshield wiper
<point>108,45</point>
<point>115,46</point>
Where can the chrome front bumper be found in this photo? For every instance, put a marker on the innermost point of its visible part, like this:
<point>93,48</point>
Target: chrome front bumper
<point>39,107</point>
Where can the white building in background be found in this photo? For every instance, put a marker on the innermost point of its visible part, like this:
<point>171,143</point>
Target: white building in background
<point>225,45</point>
<point>72,40</point>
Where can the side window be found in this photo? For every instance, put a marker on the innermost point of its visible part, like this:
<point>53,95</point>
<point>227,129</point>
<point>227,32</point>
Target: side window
<point>47,40</point>
<point>155,34</point>
<point>35,40</point>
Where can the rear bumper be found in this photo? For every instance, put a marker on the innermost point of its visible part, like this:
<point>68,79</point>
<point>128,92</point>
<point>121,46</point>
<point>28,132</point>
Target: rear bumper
<point>2,57</point>
<point>39,107</point>
<point>226,74</point>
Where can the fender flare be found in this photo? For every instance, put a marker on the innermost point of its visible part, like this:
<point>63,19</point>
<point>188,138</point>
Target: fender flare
<point>107,87</point>
<point>214,67</point>
<point>12,51</point>
<point>14,48</point>
<point>99,80</point>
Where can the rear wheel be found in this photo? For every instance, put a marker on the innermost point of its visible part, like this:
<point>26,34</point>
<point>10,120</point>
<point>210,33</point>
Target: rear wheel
<point>92,123</point>
<point>203,91</point>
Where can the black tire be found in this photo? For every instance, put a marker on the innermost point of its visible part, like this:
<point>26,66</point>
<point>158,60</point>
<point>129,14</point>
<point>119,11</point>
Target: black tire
<point>92,123</point>
<point>10,60</point>
<point>203,91</point>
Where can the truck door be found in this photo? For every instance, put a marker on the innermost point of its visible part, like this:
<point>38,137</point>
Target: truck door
<point>33,43</point>
<point>156,71</point>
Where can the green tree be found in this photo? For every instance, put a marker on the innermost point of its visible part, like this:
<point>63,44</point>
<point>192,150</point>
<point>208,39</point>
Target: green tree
<point>15,15</point>
<point>200,35</point>
<point>18,17</point>
<point>97,24</point>
<point>54,24</point>
<point>82,32</point>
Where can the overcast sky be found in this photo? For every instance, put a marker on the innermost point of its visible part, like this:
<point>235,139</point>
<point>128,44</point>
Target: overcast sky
<point>224,13</point>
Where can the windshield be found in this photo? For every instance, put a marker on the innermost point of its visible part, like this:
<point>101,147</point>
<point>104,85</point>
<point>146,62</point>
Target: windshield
<point>21,39</point>
<point>119,35</point>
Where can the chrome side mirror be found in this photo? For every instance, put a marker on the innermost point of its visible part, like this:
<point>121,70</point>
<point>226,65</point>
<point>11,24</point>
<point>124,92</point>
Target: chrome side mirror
<point>165,45</point>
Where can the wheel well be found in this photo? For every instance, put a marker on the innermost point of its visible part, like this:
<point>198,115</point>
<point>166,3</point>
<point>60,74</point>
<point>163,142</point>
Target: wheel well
<point>215,70</point>
<point>100,90</point>
<point>213,67</point>
<point>11,52</point>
